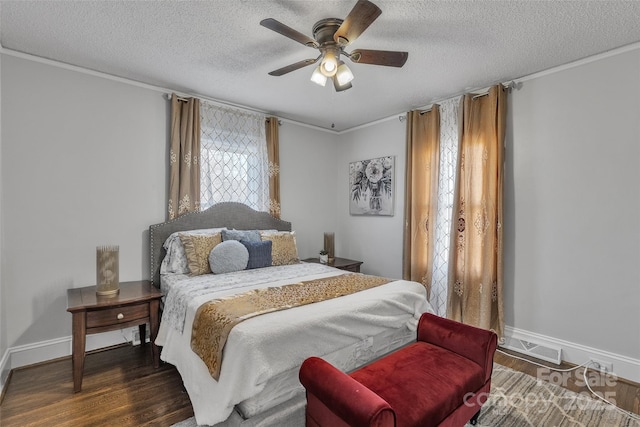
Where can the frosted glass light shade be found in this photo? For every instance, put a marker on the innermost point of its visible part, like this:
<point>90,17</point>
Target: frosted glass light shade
<point>318,78</point>
<point>343,74</point>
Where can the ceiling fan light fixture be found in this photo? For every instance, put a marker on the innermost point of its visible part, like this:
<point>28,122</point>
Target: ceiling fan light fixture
<point>338,87</point>
<point>318,78</point>
<point>329,63</point>
<point>331,36</point>
<point>343,74</point>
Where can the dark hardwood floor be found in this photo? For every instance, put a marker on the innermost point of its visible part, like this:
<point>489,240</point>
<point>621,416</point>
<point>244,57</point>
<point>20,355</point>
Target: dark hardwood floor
<point>121,388</point>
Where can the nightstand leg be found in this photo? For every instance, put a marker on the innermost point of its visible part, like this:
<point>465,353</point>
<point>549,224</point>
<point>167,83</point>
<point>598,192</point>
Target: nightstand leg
<point>142,329</point>
<point>78,346</point>
<point>154,324</point>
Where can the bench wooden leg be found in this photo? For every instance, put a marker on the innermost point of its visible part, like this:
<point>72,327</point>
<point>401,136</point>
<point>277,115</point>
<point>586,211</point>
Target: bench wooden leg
<point>474,420</point>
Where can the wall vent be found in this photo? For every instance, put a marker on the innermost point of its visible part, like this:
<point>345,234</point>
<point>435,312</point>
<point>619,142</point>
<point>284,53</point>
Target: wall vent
<point>539,351</point>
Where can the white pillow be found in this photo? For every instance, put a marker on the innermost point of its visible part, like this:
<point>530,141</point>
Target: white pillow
<point>228,256</point>
<point>265,232</point>
<point>175,261</point>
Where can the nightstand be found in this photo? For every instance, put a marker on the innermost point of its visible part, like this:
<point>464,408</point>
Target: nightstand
<point>136,304</point>
<point>341,263</point>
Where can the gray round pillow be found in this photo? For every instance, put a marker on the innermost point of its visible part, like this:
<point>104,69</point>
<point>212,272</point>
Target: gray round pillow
<point>228,256</point>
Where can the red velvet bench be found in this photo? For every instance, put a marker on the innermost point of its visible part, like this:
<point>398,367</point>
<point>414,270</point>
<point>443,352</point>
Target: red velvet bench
<point>440,380</point>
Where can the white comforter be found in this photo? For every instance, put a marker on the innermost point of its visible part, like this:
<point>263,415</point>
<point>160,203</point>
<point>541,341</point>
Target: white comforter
<point>267,345</point>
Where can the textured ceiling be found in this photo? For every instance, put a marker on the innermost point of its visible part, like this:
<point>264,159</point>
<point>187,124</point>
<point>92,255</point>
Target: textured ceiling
<point>218,50</point>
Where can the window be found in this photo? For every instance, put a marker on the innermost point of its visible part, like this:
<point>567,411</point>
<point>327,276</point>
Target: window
<point>234,165</point>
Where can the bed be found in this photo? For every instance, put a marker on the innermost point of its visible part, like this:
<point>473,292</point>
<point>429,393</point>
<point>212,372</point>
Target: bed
<point>256,381</point>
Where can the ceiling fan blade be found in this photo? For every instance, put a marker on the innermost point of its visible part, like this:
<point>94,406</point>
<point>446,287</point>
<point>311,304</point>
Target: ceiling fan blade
<point>337,86</point>
<point>358,20</point>
<point>293,67</point>
<point>379,57</point>
<point>286,31</point>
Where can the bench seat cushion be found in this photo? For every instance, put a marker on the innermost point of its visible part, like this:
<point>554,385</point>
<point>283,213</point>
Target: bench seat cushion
<point>420,395</point>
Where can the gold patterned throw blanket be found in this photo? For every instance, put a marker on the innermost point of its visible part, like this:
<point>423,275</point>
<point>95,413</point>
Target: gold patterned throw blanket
<point>215,319</point>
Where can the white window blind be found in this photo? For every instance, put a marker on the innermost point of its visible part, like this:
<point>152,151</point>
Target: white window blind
<point>233,157</point>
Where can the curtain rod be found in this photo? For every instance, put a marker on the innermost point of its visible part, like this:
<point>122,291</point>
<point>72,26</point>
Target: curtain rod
<point>403,117</point>
<point>181,99</point>
<point>506,86</point>
<point>509,86</point>
<point>216,102</point>
<point>480,95</point>
<point>268,119</point>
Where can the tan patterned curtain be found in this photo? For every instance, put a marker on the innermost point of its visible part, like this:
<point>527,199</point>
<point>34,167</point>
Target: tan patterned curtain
<point>475,267</point>
<point>273,151</point>
<point>184,184</point>
<point>421,195</point>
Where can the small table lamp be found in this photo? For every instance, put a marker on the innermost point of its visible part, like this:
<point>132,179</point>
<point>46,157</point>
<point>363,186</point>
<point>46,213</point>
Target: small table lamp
<point>329,245</point>
<point>107,266</point>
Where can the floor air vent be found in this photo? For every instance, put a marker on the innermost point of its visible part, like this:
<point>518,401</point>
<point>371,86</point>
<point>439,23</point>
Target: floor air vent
<point>539,351</point>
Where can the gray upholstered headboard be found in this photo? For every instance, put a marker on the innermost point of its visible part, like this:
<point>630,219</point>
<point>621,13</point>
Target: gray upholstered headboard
<point>227,214</point>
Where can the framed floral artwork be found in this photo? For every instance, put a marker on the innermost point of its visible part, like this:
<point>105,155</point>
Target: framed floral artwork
<point>371,186</point>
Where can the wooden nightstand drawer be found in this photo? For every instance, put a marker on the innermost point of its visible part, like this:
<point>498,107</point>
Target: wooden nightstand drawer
<point>353,267</point>
<point>114,316</point>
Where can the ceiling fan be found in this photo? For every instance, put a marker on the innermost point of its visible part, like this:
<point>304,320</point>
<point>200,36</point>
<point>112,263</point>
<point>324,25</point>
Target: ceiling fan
<point>331,36</point>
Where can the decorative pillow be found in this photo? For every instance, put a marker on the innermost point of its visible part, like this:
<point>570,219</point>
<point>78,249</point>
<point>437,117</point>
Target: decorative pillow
<point>175,260</point>
<point>284,250</point>
<point>248,235</point>
<point>259,253</point>
<point>228,257</point>
<point>197,249</point>
<point>175,263</point>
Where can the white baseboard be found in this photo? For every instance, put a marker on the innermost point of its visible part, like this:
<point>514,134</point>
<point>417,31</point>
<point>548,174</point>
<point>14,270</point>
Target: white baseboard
<point>42,351</point>
<point>623,366</point>
<point>14,357</point>
<point>4,369</point>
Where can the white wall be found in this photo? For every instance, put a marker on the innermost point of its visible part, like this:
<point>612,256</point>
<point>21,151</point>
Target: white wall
<point>83,164</point>
<point>3,323</point>
<point>375,240</point>
<point>308,179</point>
<point>572,224</point>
